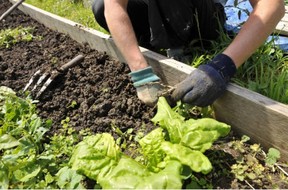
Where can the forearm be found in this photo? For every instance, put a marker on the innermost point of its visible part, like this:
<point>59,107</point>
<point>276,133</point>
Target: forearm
<point>122,32</point>
<point>261,23</point>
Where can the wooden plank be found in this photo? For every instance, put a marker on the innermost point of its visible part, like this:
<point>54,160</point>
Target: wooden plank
<point>265,121</point>
<point>282,26</point>
<point>262,119</point>
<point>285,17</point>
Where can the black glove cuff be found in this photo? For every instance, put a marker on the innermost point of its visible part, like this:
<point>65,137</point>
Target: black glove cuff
<point>224,65</point>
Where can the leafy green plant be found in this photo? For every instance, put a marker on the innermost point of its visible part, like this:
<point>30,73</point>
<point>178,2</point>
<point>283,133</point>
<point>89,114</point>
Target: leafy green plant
<point>171,153</point>
<point>272,156</point>
<point>123,137</point>
<point>73,104</point>
<point>251,164</point>
<point>21,133</point>
<point>28,158</point>
<point>10,37</point>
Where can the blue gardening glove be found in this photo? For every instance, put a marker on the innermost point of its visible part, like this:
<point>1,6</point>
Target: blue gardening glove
<point>206,83</point>
<point>147,85</point>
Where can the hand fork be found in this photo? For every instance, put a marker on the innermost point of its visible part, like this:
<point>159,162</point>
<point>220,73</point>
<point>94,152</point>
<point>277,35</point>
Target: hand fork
<point>38,80</point>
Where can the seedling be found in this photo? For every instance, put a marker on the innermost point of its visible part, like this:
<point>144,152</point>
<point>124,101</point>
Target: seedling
<point>9,37</point>
<point>73,104</point>
<point>272,156</point>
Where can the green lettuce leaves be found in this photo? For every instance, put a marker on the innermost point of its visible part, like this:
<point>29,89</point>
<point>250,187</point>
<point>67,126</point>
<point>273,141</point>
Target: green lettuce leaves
<point>171,151</point>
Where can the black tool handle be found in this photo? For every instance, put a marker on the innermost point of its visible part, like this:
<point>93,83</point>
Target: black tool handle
<point>73,62</point>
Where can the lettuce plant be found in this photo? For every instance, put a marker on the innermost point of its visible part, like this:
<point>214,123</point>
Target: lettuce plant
<point>172,152</point>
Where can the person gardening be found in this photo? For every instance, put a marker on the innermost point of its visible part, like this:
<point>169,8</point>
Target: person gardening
<point>172,25</point>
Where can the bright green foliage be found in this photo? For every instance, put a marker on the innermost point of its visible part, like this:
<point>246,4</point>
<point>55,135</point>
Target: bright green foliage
<point>21,133</point>
<point>171,153</point>
<point>266,72</point>
<point>272,156</point>
<point>99,158</point>
<point>69,179</point>
<point>10,37</point>
<point>26,162</point>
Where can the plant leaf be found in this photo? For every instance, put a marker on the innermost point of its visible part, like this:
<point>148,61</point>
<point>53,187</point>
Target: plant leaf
<point>7,142</point>
<point>272,156</point>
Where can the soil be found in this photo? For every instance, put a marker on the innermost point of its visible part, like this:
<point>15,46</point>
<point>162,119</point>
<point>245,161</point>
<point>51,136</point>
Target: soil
<point>99,85</point>
<point>102,90</point>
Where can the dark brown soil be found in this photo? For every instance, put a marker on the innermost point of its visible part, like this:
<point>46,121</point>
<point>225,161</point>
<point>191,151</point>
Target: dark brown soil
<point>99,85</point>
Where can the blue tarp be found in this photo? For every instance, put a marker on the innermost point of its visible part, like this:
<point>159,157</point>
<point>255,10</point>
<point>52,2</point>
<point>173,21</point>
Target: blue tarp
<point>237,14</point>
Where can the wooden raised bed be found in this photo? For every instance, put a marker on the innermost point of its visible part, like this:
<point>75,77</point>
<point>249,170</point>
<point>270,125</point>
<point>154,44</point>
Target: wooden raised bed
<point>264,120</point>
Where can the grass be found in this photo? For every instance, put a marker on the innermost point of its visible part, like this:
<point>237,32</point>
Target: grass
<point>71,9</point>
<point>265,72</point>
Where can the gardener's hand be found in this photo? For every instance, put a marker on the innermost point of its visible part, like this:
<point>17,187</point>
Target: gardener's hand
<point>147,85</point>
<point>206,83</point>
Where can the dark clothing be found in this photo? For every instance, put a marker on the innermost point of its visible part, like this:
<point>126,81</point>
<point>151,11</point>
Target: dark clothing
<point>170,23</point>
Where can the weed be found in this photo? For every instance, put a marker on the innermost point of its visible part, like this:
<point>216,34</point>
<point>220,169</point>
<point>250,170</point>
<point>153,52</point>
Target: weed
<point>73,104</point>
<point>10,37</point>
<point>251,164</point>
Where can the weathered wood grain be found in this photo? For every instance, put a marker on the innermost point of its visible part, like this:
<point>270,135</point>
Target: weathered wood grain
<point>264,120</point>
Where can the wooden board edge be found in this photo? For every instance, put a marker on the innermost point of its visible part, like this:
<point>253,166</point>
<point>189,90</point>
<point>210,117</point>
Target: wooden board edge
<point>264,120</point>
<point>238,107</point>
<point>282,28</point>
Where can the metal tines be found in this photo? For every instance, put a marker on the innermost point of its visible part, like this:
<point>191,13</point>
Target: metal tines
<point>47,77</point>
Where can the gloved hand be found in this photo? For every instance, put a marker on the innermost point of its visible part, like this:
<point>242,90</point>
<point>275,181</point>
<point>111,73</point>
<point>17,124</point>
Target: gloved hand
<point>147,85</point>
<point>206,83</point>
